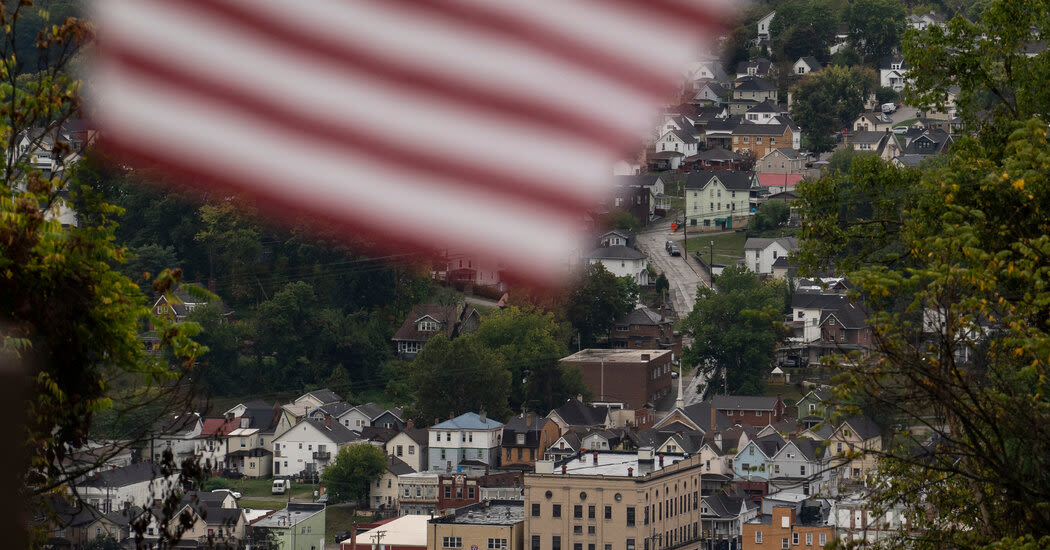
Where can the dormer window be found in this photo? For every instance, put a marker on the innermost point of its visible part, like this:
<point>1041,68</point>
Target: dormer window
<point>428,325</point>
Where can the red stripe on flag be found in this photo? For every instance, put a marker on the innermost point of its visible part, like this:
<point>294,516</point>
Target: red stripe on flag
<point>317,129</point>
<point>506,104</point>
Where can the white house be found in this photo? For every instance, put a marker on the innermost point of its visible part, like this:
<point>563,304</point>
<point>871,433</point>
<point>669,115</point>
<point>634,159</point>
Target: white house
<point>764,25</point>
<point>678,141</point>
<point>622,262</point>
<point>921,22</point>
<point>310,446</point>
<point>759,254</point>
<point>469,436</point>
<point>137,484</point>
<point>712,93</point>
<point>177,433</point>
<point>410,445</point>
<point>800,466</point>
<point>893,73</point>
<point>383,494</point>
<point>806,65</point>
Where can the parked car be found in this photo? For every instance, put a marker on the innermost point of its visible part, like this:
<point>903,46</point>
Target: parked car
<point>674,250</point>
<point>668,245</point>
<point>281,486</point>
<point>340,536</point>
<point>888,108</point>
<point>900,129</point>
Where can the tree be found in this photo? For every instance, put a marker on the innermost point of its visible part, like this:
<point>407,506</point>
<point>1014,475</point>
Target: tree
<point>829,101</point>
<point>801,28</point>
<point>622,219</point>
<point>596,300</point>
<point>960,321</point>
<point>458,376</point>
<point>875,27</point>
<point>531,343</point>
<point>354,469</point>
<point>735,330</point>
<point>770,215</point>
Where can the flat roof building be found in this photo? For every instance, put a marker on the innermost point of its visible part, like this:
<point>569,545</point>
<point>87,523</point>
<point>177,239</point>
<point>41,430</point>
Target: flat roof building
<point>634,377</point>
<point>494,525</point>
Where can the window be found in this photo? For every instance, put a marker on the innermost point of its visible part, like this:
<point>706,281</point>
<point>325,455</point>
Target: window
<point>608,512</point>
<point>535,510</point>
<point>400,449</point>
<point>590,531</point>
<point>411,449</point>
<point>776,468</point>
<point>630,516</point>
<point>535,542</point>
<point>590,512</point>
<point>823,539</point>
<point>428,325</point>
<point>451,542</point>
<point>577,530</point>
<point>802,470</point>
<point>758,140</point>
<point>794,538</point>
<point>758,413</point>
<point>448,491</point>
<point>630,544</point>
<point>784,543</point>
<point>556,542</point>
<point>809,539</point>
<point>758,537</point>
<point>497,544</point>
<point>556,511</point>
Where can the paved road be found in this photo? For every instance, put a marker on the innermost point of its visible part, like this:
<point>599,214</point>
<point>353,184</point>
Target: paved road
<point>681,276</point>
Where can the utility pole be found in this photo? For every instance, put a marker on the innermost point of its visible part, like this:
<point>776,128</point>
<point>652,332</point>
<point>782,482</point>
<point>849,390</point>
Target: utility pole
<point>711,260</point>
<point>377,538</point>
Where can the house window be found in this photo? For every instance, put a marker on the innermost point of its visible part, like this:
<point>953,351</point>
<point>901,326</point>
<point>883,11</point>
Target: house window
<point>809,539</point>
<point>794,538</point>
<point>630,516</point>
<point>630,544</point>
<point>535,510</point>
<point>556,510</point>
<point>451,542</point>
<point>802,470</point>
<point>400,449</point>
<point>758,141</point>
<point>577,511</point>
<point>758,534</point>
<point>577,530</point>
<point>608,512</point>
<point>535,542</point>
<point>772,141</point>
<point>784,543</point>
<point>521,439</point>
<point>411,449</point>
<point>428,325</point>
<point>758,413</point>
<point>556,542</point>
<point>823,539</point>
<point>497,544</point>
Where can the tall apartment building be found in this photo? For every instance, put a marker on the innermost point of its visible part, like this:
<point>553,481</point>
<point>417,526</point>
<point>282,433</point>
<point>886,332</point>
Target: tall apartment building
<point>630,376</point>
<point>614,500</point>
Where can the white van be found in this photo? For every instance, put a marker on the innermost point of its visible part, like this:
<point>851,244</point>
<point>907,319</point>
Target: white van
<point>888,108</point>
<point>281,486</point>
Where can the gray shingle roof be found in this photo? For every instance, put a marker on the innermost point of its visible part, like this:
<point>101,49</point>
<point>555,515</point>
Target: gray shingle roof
<point>759,243</point>
<point>615,253</point>
<point>731,179</point>
<point>753,84</point>
<point>468,421</point>
<point>743,402</point>
<point>576,413</point>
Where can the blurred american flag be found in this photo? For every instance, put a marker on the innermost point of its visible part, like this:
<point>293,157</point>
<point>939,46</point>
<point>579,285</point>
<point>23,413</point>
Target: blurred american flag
<point>479,125</point>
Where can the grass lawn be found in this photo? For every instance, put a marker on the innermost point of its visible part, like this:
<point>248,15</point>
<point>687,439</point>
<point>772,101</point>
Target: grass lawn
<point>258,487</point>
<point>262,504</point>
<point>729,247</point>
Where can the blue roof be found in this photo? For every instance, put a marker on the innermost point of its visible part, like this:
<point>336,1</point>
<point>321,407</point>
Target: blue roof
<point>468,421</point>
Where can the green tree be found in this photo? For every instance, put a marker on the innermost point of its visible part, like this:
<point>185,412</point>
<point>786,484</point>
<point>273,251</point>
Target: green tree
<point>458,376</point>
<point>875,27</point>
<point>829,101</point>
<point>355,467</point>
<point>622,219</point>
<point>735,330</point>
<point>770,215</point>
<point>802,27</point>
<point>596,300</point>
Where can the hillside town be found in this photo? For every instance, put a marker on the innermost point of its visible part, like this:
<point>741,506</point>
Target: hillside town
<point>702,382</point>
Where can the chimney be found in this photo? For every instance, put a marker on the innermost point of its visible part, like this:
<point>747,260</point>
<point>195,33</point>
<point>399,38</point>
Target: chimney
<point>410,423</point>
<point>630,471</point>
<point>436,421</point>
<point>484,415</point>
<point>451,415</point>
<point>714,422</point>
<point>563,469</point>
<point>595,455</point>
<point>661,460</point>
<point>328,421</point>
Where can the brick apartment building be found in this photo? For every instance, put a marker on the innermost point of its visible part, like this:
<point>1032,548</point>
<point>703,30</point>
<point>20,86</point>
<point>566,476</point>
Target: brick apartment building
<point>630,376</point>
<point>644,328</point>
<point>785,529</point>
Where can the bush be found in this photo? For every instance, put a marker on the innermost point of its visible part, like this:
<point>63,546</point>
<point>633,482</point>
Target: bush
<point>489,292</point>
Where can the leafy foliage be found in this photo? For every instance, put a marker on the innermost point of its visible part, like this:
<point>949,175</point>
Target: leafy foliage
<point>829,101</point>
<point>770,215</point>
<point>801,28</point>
<point>875,26</point>
<point>735,330</point>
<point>597,300</point>
<point>355,467</point>
<point>458,376</point>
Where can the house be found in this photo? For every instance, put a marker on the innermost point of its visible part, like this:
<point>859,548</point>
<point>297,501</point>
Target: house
<point>930,142</point>
<point>845,329</point>
<point>418,493</point>
<point>299,526</point>
<point>718,131</point>
<point>753,410</point>
<point>718,199</point>
<point>848,448</point>
<point>310,447</point>
<point>635,200</point>
<point>175,433</point>
<point>567,445</point>
<point>75,524</point>
<point>827,322</point>
<point>812,408</point>
<point>921,22</point>
<point>716,158</point>
<point>787,527</point>
<point>722,515</point>
<point>760,139</point>
<point>806,65</point>
<point>883,144</point>
<point>800,466</point>
<point>644,328</point>
<point>780,170</point>
<point>116,489</point>
<point>678,141</point>
<point>329,410</point>
<point>358,417</point>
<point>642,207</point>
<point>766,112</point>
<point>383,493</point>
<point>465,270</point>
<point>760,253</point>
<point>871,122</point>
<point>248,452</point>
<point>178,303</point>
<point>617,237</point>
<point>525,438</point>
<point>760,67</point>
<point>700,72</point>
<point>628,376</point>
<point>469,436</point>
<point>893,72</point>
<point>855,518</point>
<point>575,413</point>
<point>622,262</point>
<point>603,440</point>
<point>428,320</point>
<point>309,401</point>
<point>701,417</point>
<point>211,445</point>
<point>711,93</point>
<point>496,525</point>
<point>410,445</point>
<point>753,462</point>
<point>753,88</point>
<point>764,27</point>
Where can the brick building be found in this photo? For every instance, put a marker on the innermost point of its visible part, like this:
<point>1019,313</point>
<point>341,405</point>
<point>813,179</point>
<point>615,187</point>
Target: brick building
<point>752,410</point>
<point>458,490</point>
<point>785,528</point>
<point>630,376</point>
<point>644,328</point>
